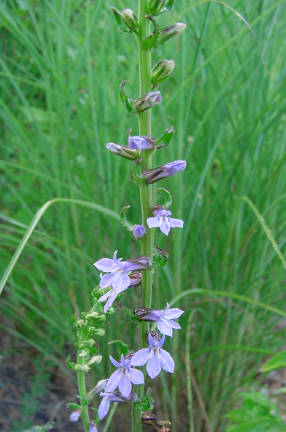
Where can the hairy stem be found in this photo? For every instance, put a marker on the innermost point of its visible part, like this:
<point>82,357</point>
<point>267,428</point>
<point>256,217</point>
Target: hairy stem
<point>144,123</point>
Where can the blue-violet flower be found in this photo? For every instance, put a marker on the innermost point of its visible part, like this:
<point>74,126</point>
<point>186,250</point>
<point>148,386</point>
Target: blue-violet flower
<point>75,415</point>
<point>140,143</point>
<point>117,277</point>
<point>92,427</point>
<point>155,357</point>
<point>154,174</point>
<point>124,377</point>
<point>105,403</point>
<point>164,318</point>
<point>139,231</point>
<point>163,220</point>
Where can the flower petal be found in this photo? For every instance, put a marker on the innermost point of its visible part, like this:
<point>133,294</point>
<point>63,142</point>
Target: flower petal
<point>165,226</point>
<point>113,381</point>
<point>153,366</point>
<point>105,296</point>
<point>164,327</point>
<point>107,280</point>
<point>174,325</point>
<point>141,357</point>
<point>125,386</point>
<point>106,265</point>
<point>136,376</point>
<point>176,223</point>
<point>173,313</point>
<point>167,362</point>
<point>103,407</point>
<point>110,301</point>
<point>162,340</point>
<point>153,222</point>
<point>154,315</point>
<point>121,282</point>
<point>114,362</point>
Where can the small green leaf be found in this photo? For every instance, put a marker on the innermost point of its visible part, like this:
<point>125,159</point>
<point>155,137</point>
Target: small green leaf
<point>73,406</point>
<point>277,362</point>
<point>124,98</point>
<point>167,195</point>
<point>123,347</point>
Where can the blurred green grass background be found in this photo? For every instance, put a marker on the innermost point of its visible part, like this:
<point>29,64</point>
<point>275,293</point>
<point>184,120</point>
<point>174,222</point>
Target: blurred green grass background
<point>61,66</point>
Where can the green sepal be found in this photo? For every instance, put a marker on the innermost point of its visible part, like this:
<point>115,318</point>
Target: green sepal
<point>167,195</point>
<point>165,138</point>
<point>119,20</point>
<point>146,403</point>
<point>70,364</point>
<point>123,218</point>
<point>160,259</point>
<point>73,406</point>
<point>151,41</point>
<point>123,347</point>
<point>125,99</point>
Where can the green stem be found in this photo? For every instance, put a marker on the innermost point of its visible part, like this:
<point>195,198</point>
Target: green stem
<point>144,124</point>
<point>83,397</point>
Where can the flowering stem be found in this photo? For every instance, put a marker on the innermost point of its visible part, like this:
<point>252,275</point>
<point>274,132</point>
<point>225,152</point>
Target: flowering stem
<point>144,124</point>
<point>83,397</point>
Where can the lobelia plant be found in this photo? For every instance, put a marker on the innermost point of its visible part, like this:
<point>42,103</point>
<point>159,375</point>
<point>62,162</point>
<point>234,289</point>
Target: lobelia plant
<point>126,384</point>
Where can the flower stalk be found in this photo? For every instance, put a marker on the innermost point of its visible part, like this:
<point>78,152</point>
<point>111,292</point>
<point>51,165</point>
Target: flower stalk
<point>83,396</point>
<point>144,126</point>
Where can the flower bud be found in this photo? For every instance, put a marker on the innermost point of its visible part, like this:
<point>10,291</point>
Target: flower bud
<point>92,427</point>
<point>170,31</point>
<point>156,7</point>
<point>99,332</point>
<point>75,415</point>
<point>162,71</point>
<point>163,171</point>
<point>130,19</point>
<point>95,360</point>
<point>123,151</point>
<point>148,101</point>
<point>141,143</point>
<point>139,231</point>
<point>135,278</point>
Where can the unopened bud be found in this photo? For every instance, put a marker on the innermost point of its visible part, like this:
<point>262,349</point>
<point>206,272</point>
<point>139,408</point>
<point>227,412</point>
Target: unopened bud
<point>99,332</point>
<point>95,360</point>
<point>170,31</point>
<point>141,143</point>
<point>154,174</point>
<point>123,151</point>
<point>130,19</point>
<point>75,415</point>
<point>156,6</point>
<point>148,101</point>
<point>162,71</point>
<point>139,231</point>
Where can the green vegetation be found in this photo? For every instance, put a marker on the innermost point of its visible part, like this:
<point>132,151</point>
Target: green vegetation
<point>61,64</point>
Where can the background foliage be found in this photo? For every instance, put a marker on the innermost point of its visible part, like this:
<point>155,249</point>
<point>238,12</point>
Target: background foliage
<point>61,67</point>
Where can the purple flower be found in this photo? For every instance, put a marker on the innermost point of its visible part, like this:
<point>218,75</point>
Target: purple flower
<point>140,143</point>
<point>167,170</point>
<point>148,101</point>
<point>162,220</point>
<point>117,275</point>
<point>75,415</point>
<point>164,318</point>
<point>105,403</point>
<point>123,151</point>
<point>123,377</point>
<point>155,357</point>
<point>92,427</point>
<point>139,231</point>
